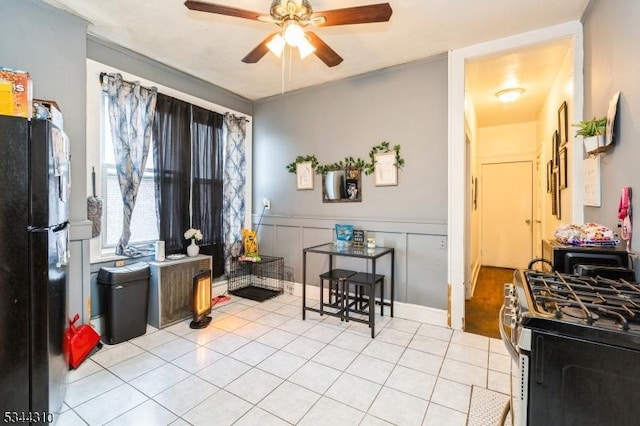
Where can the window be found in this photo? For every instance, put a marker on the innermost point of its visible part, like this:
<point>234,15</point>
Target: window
<point>144,226</point>
<point>144,223</point>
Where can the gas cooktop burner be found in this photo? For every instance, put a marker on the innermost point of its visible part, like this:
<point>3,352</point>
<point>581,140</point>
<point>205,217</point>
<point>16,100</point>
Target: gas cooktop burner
<point>574,312</point>
<point>589,300</point>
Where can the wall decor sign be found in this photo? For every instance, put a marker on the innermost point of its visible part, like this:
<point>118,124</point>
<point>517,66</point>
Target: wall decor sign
<point>386,171</point>
<point>562,124</point>
<point>591,178</point>
<point>358,238</point>
<point>304,175</point>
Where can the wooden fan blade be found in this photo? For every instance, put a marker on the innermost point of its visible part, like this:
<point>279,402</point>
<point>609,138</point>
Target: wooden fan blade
<point>259,51</point>
<point>323,51</point>
<point>356,15</point>
<point>221,10</point>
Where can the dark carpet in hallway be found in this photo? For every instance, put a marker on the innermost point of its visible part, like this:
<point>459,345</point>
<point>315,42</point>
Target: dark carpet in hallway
<point>482,310</point>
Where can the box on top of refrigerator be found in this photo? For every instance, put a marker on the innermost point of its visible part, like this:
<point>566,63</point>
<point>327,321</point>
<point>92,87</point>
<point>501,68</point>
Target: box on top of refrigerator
<point>16,93</point>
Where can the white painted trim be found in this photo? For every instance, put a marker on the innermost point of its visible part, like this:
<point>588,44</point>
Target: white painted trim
<point>475,271</point>
<point>93,133</point>
<point>577,177</point>
<point>457,175</point>
<point>402,310</point>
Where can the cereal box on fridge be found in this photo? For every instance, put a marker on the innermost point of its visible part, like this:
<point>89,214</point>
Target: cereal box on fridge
<point>16,93</point>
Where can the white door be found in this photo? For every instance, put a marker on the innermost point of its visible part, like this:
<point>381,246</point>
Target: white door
<point>506,200</point>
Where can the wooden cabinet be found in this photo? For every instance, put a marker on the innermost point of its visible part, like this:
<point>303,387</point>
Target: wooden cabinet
<point>171,289</point>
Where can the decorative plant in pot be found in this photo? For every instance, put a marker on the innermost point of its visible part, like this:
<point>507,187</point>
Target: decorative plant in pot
<point>593,132</point>
<point>193,234</point>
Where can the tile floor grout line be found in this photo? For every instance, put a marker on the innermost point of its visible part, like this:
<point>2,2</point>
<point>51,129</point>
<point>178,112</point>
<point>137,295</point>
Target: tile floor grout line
<point>397,340</point>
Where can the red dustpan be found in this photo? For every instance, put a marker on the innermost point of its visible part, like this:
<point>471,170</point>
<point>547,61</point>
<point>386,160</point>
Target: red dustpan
<point>80,341</point>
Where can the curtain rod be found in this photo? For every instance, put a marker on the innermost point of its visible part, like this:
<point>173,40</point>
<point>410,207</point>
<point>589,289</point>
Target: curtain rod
<point>104,74</point>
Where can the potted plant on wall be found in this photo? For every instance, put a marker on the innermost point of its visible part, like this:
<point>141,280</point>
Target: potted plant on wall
<point>593,132</point>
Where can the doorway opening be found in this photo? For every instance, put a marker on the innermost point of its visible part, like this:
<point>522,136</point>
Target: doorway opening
<point>502,135</point>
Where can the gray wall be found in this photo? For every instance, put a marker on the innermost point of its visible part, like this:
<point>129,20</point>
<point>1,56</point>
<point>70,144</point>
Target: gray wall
<point>612,63</point>
<point>51,46</point>
<point>404,105</point>
<point>144,67</point>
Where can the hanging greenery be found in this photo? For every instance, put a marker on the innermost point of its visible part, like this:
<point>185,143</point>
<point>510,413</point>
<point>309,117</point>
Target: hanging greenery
<point>382,148</point>
<point>350,162</point>
<point>300,159</point>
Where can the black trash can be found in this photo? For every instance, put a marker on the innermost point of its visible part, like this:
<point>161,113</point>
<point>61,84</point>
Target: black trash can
<point>124,294</point>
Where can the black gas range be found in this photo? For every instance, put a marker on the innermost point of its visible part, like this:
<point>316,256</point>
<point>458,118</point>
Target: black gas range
<point>576,342</point>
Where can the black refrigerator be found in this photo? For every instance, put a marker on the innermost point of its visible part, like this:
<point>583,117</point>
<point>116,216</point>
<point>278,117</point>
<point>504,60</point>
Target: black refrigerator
<point>34,214</point>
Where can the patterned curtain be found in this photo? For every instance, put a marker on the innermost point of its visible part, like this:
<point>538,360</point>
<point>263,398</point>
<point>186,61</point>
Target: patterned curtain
<point>131,112</point>
<point>233,205</point>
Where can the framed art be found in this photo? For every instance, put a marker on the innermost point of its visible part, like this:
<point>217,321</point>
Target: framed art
<point>558,196</point>
<point>555,149</point>
<point>358,238</point>
<point>474,193</point>
<point>304,175</point>
<point>386,170</point>
<point>549,175</point>
<point>562,124</point>
<point>611,118</point>
<point>554,194</point>
<point>562,168</point>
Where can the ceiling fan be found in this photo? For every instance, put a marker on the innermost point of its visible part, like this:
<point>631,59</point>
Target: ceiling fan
<point>292,16</point>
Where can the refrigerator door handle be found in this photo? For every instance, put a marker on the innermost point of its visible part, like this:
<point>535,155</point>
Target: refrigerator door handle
<point>55,228</point>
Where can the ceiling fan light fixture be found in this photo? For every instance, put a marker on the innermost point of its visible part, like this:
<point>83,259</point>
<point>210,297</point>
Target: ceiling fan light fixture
<point>306,48</point>
<point>276,45</point>
<point>293,33</point>
<point>510,95</point>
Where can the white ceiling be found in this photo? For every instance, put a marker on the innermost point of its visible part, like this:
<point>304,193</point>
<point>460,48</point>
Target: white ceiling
<point>210,46</point>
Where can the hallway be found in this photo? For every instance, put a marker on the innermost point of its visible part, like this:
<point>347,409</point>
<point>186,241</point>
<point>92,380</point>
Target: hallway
<point>482,311</point>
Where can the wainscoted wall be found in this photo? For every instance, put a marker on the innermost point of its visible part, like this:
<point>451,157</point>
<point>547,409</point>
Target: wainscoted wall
<point>421,263</point>
<point>405,105</point>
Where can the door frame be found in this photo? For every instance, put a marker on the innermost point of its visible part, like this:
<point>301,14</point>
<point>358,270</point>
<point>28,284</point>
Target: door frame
<point>458,176</point>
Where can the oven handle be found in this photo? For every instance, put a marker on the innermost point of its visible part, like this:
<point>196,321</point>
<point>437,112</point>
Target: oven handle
<point>503,334</point>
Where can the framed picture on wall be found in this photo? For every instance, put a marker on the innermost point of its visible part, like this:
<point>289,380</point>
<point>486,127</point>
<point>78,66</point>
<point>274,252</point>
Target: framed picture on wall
<point>558,202</point>
<point>304,175</point>
<point>562,124</point>
<point>554,194</point>
<point>562,168</point>
<point>555,149</point>
<point>549,175</point>
<point>386,170</point>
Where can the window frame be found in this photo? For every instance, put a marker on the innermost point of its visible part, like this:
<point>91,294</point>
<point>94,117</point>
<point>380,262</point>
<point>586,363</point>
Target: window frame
<point>95,152</point>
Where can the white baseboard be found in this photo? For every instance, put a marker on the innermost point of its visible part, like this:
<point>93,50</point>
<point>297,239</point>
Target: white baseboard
<point>402,310</point>
<point>406,311</point>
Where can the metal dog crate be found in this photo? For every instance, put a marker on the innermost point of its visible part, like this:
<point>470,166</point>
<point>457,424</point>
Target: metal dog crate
<point>257,280</point>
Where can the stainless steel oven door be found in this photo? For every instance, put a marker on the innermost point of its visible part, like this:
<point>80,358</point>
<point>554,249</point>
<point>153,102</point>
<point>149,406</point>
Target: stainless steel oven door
<point>510,332</point>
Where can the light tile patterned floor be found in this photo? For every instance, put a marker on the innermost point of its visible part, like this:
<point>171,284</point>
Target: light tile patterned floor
<point>259,363</point>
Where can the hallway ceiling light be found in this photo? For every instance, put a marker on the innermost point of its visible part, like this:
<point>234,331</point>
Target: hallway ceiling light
<point>510,95</point>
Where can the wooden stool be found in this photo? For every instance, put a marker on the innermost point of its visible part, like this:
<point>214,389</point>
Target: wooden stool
<point>360,302</point>
<point>336,278</point>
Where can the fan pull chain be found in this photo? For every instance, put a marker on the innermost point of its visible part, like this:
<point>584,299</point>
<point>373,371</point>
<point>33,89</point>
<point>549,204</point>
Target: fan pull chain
<point>290,62</point>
